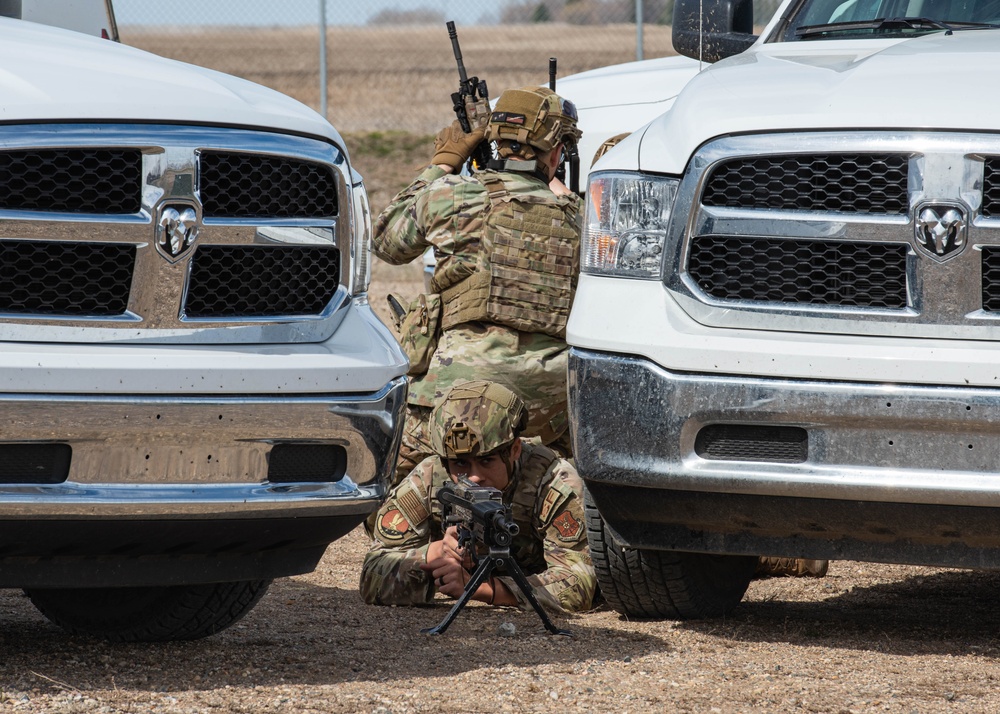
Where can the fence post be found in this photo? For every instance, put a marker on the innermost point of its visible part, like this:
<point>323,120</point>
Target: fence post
<point>638,29</point>
<point>322,58</point>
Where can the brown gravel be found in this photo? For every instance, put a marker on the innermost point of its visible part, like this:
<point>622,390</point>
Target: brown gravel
<point>867,638</point>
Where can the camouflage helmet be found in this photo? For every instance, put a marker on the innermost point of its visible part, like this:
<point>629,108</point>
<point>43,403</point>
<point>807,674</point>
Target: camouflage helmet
<point>475,419</point>
<point>532,116</point>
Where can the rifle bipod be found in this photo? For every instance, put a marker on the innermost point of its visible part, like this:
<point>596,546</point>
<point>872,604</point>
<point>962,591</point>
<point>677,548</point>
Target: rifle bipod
<point>498,559</point>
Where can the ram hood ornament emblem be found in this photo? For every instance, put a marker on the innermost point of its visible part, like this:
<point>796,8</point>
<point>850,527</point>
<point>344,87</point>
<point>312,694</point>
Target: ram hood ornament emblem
<point>177,227</point>
<point>941,230</point>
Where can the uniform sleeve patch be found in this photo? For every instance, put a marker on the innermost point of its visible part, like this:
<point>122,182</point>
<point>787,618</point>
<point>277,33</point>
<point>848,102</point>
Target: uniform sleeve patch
<point>567,525</point>
<point>411,505</point>
<point>551,498</point>
<point>393,525</point>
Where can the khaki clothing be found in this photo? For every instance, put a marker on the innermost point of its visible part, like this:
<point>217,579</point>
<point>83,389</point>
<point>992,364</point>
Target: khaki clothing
<point>447,212</point>
<point>546,496</point>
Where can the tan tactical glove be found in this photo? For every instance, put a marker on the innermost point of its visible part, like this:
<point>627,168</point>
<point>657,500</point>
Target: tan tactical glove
<point>453,147</point>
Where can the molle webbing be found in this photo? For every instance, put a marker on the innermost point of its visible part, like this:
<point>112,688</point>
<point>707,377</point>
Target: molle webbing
<point>524,501</point>
<point>501,396</point>
<point>527,266</point>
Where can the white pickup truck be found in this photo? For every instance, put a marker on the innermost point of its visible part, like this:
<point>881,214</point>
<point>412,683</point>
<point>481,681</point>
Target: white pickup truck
<point>195,396</point>
<point>786,336</point>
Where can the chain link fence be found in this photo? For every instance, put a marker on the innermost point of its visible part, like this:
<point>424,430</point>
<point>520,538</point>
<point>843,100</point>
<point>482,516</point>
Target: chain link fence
<point>389,63</point>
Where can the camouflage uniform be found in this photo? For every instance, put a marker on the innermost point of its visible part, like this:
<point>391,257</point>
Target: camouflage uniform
<point>546,496</point>
<point>447,212</point>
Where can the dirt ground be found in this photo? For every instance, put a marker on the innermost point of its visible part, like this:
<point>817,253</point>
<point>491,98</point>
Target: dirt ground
<point>867,638</point>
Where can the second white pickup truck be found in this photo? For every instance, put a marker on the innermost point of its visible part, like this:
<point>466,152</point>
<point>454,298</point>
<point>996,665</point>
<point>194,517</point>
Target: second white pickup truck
<point>785,339</point>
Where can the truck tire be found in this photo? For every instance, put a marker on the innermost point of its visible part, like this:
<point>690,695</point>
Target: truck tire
<point>149,614</point>
<point>663,584</point>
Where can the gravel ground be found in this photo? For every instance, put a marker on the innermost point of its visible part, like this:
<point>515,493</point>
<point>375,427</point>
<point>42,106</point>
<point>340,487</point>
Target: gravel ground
<point>865,638</point>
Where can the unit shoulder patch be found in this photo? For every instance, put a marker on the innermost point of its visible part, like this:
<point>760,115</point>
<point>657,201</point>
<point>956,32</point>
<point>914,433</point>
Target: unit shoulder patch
<point>567,526</point>
<point>393,525</point>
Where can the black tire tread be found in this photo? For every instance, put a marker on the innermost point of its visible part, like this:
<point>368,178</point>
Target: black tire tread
<point>655,584</point>
<point>151,614</point>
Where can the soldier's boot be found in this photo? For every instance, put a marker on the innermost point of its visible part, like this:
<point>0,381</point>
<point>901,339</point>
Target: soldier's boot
<point>792,567</point>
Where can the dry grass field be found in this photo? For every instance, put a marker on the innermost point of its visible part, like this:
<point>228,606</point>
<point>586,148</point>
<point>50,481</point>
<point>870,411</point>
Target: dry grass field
<point>398,78</point>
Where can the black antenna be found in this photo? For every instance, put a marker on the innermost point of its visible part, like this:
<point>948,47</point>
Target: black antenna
<point>552,73</point>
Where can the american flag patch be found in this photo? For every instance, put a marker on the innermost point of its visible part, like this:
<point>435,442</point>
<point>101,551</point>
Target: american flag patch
<point>409,502</point>
<point>508,118</point>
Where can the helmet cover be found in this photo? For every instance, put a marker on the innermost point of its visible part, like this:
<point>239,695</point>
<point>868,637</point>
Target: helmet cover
<point>475,419</point>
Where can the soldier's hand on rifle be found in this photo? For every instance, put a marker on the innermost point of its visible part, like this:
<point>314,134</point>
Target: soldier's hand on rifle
<point>447,573</point>
<point>453,147</point>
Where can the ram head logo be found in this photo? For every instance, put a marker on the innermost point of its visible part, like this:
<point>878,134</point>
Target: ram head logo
<point>176,230</point>
<point>941,231</point>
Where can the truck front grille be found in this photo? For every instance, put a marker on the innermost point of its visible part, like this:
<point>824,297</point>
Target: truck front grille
<point>991,278</point>
<point>846,183</point>
<point>173,234</point>
<point>867,233</point>
<point>239,185</point>
<point>261,281</point>
<point>991,186</point>
<point>64,278</point>
<point>818,272</point>
<point>88,181</point>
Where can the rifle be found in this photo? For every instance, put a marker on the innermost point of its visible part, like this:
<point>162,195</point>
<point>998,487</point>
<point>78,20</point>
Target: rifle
<point>471,91</point>
<point>572,154</point>
<point>483,518</point>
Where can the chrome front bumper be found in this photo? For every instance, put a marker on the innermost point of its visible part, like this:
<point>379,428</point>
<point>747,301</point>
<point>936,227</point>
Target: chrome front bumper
<point>200,457</point>
<point>892,472</point>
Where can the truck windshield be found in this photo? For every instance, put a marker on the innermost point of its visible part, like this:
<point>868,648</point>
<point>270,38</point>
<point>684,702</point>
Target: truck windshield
<point>849,19</point>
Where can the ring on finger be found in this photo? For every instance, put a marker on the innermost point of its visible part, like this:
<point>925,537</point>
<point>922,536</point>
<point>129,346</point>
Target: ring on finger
<point>441,580</point>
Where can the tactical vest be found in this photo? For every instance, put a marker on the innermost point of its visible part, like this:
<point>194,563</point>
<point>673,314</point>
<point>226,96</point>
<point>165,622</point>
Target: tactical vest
<point>528,262</point>
<point>527,550</point>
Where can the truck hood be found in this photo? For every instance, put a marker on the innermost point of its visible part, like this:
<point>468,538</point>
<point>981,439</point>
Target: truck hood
<point>645,82</point>
<point>123,84</point>
<point>623,97</point>
<point>930,82</point>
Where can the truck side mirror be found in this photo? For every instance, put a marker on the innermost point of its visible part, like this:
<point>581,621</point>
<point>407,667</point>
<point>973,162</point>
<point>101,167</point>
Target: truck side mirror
<point>725,29</point>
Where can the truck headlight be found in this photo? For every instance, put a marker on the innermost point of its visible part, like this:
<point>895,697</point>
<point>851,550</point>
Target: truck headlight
<point>361,241</point>
<point>626,224</point>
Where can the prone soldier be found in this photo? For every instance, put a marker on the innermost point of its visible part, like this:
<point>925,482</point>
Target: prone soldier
<point>475,435</point>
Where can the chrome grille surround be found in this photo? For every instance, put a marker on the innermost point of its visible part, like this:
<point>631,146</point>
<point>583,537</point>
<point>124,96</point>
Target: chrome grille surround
<point>171,177</point>
<point>943,299</point>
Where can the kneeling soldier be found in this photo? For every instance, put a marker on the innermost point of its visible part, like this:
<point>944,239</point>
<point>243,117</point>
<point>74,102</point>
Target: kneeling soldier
<point>475,432</point>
